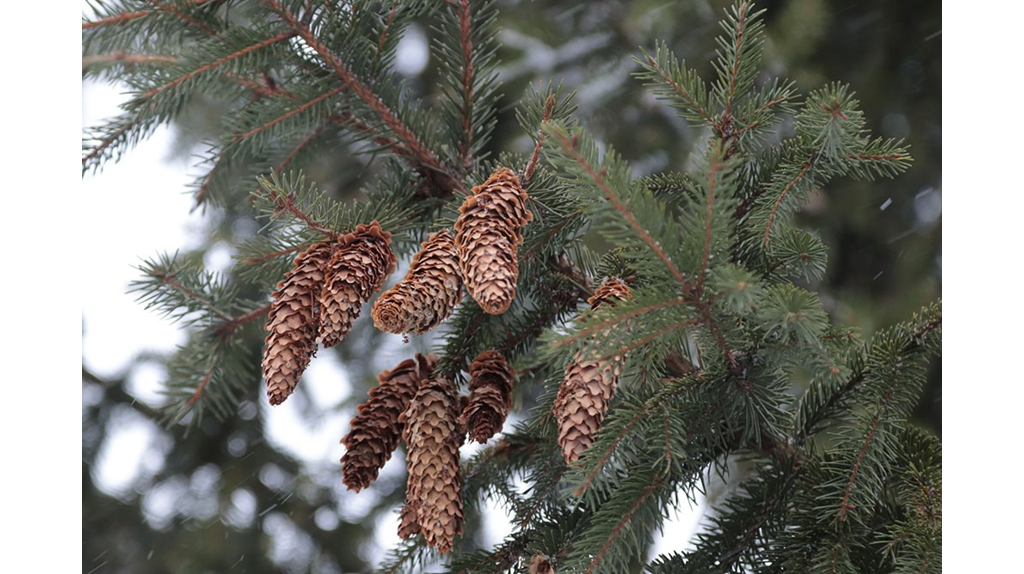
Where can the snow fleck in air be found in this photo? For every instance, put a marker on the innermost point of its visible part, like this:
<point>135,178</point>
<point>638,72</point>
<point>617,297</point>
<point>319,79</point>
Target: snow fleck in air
<point>887,203</point>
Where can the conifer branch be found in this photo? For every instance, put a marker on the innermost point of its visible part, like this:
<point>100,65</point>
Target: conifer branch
<point>605,325</point>
<point>466,41</point>
<point>423,159</point>
<point>286,202</point>
<point>127,59</point>
<point>569,145</point>
<point>219,62</point>
<point>726,123</point>
<point>652,337</point>
<point>623,522</point>
<point>549,106</point>
<point>778,201</point>
<point>167,278</point>
<point>126,16</point>
<point>232,325</point>
<point>760,110</point>
<point>205,380</point>
<point>844,506</point>
<point>262,89</point>
<point>185,17</point>
<point>706,260</point>
<point>288,114</point>
<point>683,94</point>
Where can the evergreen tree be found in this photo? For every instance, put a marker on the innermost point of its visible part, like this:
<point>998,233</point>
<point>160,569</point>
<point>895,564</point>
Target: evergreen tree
<point>651,333</point>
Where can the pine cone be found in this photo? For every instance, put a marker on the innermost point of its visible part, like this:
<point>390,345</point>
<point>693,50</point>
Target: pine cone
<point>588,386</point>
<point>292,322</point>
<point>608,291</point>
<point>435,474</point>
<point>540,564</point>
<point>375,431</point>
<point>361,262</point>
<point>427,294</point>
<point>490,400</point>
<point>487,235</point>
<point>408,524</point>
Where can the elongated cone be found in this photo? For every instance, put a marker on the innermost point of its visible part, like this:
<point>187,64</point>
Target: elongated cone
<point>487,235</point>
<point>588,386</point>
<point>432,435</point>
<point>361,262</point>
<point>490,387</point>
<point>375,431</point>
<point>292,323</point>
<point>427,294</point>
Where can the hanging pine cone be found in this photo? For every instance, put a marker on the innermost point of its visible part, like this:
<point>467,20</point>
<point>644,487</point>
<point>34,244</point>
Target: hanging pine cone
<point>427,294</point>
<point>432,435</point>
<point>487,235</point>
<point>361,262</point>
<point>541,564</point>
<point>490,387</point>
<point>375,431</point>
<point>588,386</point>
<point>292,323</point>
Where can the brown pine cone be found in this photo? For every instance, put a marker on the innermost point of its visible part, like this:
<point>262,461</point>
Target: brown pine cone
<point>588,386</point>
<point>375,431</point>
<point>582,403</point>
<point>487,235</point>
<point>427,294</point>
<point>435,474</point>
<point>292,322</point>
<point>490,400</point>
<point>610,290</point>
<point>361,262</point>
<point>540,564</point>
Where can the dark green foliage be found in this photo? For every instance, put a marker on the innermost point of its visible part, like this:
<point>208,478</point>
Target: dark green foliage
<point>737,365</point>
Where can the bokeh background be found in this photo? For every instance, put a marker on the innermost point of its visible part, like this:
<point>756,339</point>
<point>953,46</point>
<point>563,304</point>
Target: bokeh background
<point>261,491</point>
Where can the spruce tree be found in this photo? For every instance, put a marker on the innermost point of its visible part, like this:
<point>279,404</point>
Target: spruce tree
<point>651,333</point>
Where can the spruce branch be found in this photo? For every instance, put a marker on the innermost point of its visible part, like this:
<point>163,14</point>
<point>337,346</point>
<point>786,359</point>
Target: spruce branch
<point>415,151</point>
<point>126,16</point>
<point>670,79</point>
<point>127,59</point>
<point>568,144</point>
<point>807,165</point>
<point>466,43</point>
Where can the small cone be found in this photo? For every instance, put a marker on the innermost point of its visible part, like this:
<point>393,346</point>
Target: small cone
<point>292,323</point>
<point>435,474</point>
<point>487,235</point>
<point>588,386</point>
<point>427,294</point>
<point>609,291</point>
<point>361,262</point>
<point>540,564</point>
<point>375,431</point>
<point>490,400</point>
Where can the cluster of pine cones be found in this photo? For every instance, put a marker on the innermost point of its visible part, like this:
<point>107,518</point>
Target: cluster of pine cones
<point>322,295</point>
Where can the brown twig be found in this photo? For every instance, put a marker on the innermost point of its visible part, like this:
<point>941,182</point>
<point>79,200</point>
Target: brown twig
<point>549,107</point>
<point>466,41</point>
<point>233,324</point>
<point>289,114</point>
<point>414,150</point>
<point>219,62</point>
<point>778,201</point>
<point>127,59</point>
<point>622,523</point>
<point>127,16</point>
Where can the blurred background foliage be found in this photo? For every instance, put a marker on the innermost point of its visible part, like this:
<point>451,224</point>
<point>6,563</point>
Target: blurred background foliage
<point>227,497</point>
